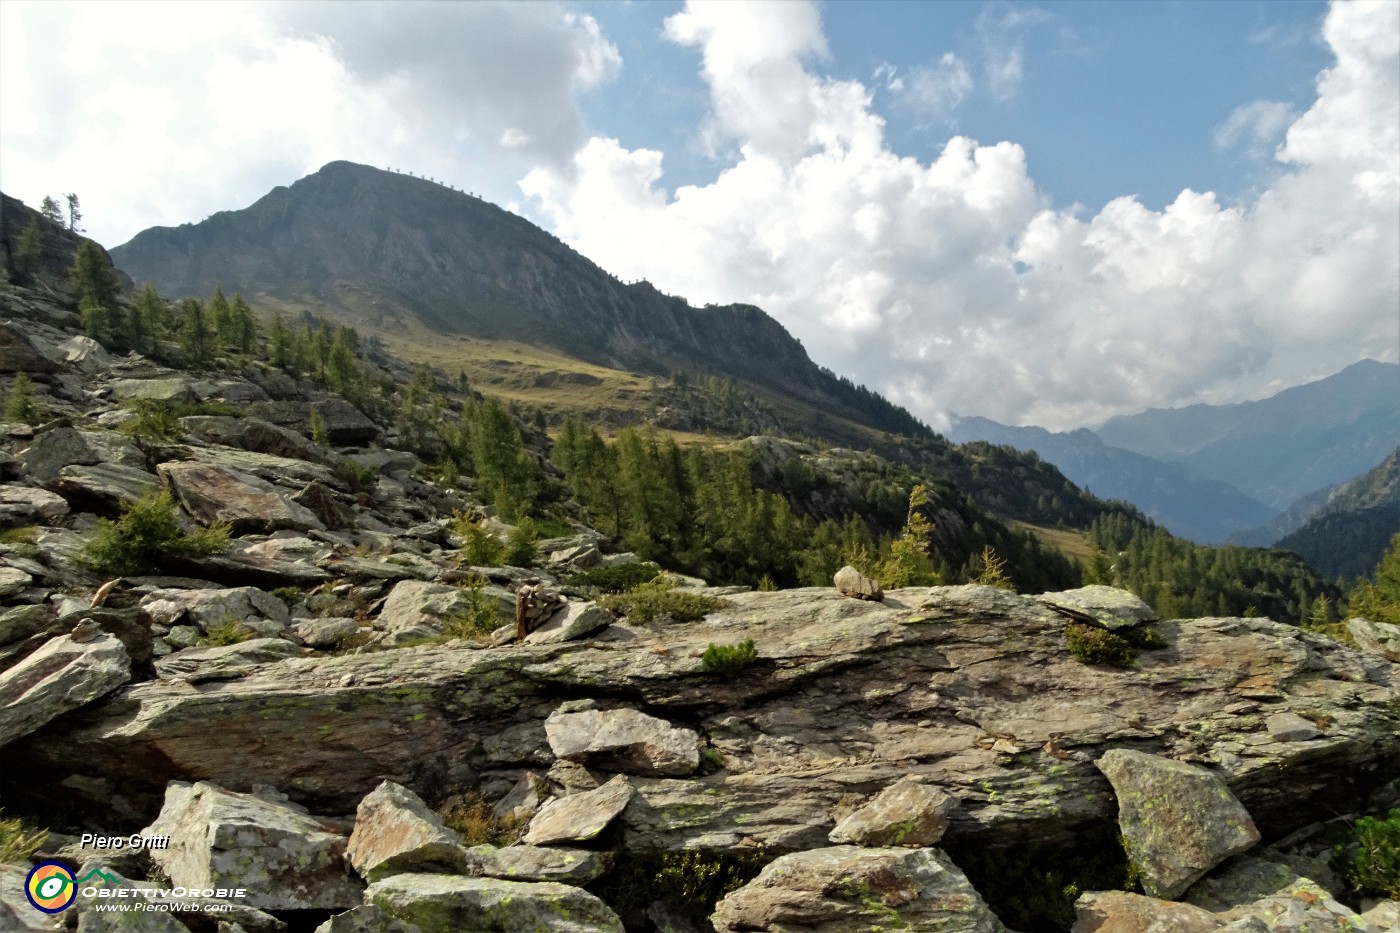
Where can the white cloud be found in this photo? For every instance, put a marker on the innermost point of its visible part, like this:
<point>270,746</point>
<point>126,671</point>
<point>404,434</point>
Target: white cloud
<point>1002,31</point>
<point>929,92</point>
<point>199,107</point>
<point>1255,125</point>
<point>955,286</point>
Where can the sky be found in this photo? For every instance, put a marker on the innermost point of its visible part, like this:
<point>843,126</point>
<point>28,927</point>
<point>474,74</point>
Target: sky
<point>1042,213</point>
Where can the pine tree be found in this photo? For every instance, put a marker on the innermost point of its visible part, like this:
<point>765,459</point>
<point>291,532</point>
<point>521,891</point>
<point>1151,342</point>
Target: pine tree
<point>146,319</point>
<point>220,318</point>
<point>279,343</point>
<point>23,404</point>
<point>75,215</point>
<point>194,332</point>
<point>51,210</point>
<point>95,286</point>
<point>244,326</point>
<point>26,262</point>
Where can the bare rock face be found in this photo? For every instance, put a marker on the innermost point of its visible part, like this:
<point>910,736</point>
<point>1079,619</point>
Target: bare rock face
<point>851,582</point>
<point>285,858</point>
<point>623,740</point>
<point>1178,820</point>
<point>395,832</point>
<point>847,889</point>
<point>22,505</point>
<point>259,610</point>
<point>225,662</point>
<point>1121,912</point>
<point>416,609</point>
<point>214,494</point>
<point>366,919</point>
<point>1380,638</point>
<point>579,817</point>
<point>62,675</point>
<point>575,620</point>
<point>904,814</point>
<point>449,903</point>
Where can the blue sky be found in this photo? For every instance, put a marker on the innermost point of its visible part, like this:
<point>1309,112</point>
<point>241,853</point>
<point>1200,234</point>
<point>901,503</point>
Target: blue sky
<point>1116,98</point>
<point>1042,213</point>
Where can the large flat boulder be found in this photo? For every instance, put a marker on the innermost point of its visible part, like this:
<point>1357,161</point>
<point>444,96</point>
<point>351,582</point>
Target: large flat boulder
<point>848,889</point>
<point>623,740</point>
<point>1122,912</point>
<point>285,858</point>
<point>452,904</point>
<point>1105,606</point>
<point>24,505</point>
<point>215,494</point>
<point>61,676</point>
<point>253,434</point>
<point>1178,820</point>
<point>224,662</point>
<point>105,486</point>
<point>541,863</point>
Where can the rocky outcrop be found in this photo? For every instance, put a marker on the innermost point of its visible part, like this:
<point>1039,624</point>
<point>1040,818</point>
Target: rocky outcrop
<point>448,904</point>
<point>60,677</point>
<point>286,859</point>
<point>622,740</point>
<point>1124,912</point>
<point>214,494</point>
<point>1178,820</point>
<point>847,889</point>
<point>905,814</point>
<point>395,832</point>
<point>579,817</point>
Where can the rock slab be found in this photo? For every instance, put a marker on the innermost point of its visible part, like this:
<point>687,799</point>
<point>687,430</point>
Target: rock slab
<point>851,582</point>
<point>848,889</point>
<point>623,740</point>
<point>61,676</point>
<point>285,858</point>
<point>452,904</point>
<point>1178,820</point>
<point>396,833</point>
<point>579,817</point>
<point>906,813</point>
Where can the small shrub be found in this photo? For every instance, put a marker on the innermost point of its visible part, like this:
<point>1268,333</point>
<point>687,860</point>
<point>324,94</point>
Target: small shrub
<point>17,844</point>
<point>766,584</point>
<point>479,619</point>
<point>712,760</point>
<point>618,578</point>
<point>147,536</point>
<point>23,404</point>
<point>290,595</point>
<point>153,422</point>
<point>521,552</point>
<point>659,599</point>
<point>228,631</point>
<point>1372,865</point>
<point>993,572</point>
<point>358,478</point>
<point>479,825</point>
<point>26,534</point>
<point>1144,637</point>
<point>480,548</point>
<point>691,881</point>
<point>729,660</point>
<point>1093,645</point>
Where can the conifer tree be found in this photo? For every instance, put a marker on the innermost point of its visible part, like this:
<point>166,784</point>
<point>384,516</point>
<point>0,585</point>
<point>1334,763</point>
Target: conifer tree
<point>279,343</point>
<point>26,262</point>
<point>23,404</point>
<point>51,210</point>
<point>194,332</point>
<point>220,318</point>
<point>146,320</point>
<point>95,286</point>
<point>75,214</point>
<point>243,326</point>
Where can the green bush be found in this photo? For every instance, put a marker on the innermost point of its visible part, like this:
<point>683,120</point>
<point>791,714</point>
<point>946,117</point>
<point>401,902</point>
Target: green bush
<point>618,578</point>
<point>1372,865</point>
<point>290,595</point>
<point>521,552</point>
<point>480,548</point>
<point>479,619</point>
<point>691,881</point>
<point>1094,645</point>
<point>658,600</point>
<point>146,537</point>
<point>729,660</point>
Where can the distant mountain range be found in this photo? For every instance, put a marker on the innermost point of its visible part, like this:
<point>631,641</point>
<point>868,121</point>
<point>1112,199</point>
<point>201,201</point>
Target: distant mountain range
<point>1187,504</point>
<point>1248,473</point>
<point>1280,448</point>
<point>1348,532</point>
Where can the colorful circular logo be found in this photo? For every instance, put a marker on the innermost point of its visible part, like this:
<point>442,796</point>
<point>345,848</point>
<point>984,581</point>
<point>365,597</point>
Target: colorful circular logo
<point>51,887</point>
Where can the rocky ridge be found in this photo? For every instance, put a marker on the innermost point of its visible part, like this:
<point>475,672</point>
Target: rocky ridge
<point>317,760</point>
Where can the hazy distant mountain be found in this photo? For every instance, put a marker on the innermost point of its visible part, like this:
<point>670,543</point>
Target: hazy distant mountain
<point>1207,511</point>
<point>1277,449</point>
<point>381,251</point>
<point>1347,535</point>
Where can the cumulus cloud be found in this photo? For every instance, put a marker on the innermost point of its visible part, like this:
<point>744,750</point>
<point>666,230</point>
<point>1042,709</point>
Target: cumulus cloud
<point>197,107</point>
<point>954,285</point>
